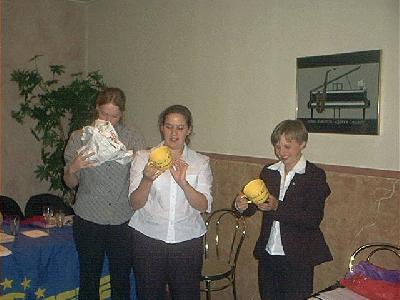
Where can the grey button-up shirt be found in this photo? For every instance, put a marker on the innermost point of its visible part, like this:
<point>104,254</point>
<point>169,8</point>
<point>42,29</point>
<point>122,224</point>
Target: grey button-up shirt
<point>102,195</point>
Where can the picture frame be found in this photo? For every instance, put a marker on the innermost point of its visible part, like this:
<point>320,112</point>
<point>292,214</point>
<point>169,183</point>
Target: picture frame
<point>339,93</point>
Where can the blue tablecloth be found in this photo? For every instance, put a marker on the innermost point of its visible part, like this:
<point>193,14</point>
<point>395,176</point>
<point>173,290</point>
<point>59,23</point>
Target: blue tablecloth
<point>46,268</point>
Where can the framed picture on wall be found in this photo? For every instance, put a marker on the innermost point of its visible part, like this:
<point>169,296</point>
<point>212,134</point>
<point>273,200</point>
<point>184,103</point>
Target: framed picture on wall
<point>339,93</point>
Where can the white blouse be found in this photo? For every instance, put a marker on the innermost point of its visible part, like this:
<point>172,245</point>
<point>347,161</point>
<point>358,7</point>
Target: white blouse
<point>167,214</point>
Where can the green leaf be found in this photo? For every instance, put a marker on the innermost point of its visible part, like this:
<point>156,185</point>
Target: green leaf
<point>57,69</point>
<point>56,110</point>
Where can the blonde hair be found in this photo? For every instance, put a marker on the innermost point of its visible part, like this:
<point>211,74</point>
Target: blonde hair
<point>292,130</point>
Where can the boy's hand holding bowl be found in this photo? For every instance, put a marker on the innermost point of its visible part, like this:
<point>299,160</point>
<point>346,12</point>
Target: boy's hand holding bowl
<point>256,191</point>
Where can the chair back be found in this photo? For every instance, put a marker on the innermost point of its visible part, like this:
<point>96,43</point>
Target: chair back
<point>368,250</point>
<point>9,207</point>
<point>226,231</point>
<point>35,204</point>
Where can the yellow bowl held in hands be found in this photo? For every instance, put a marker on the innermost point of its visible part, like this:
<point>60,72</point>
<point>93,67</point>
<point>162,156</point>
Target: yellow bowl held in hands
<point>161,157</point>
<point>256,191</point>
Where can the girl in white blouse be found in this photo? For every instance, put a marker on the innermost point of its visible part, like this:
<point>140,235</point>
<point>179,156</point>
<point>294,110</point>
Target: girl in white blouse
<point>167,223</point>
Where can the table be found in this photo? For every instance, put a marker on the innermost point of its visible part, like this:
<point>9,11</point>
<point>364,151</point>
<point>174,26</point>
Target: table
<point>339,293</point>
<point>46,268</point>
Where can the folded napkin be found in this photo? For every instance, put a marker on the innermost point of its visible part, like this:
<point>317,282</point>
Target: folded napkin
<point>35,233</point>
<point>4,251</point>
<point>39,222</point>
<point>33,219</point>
<point>6,238</point>
<point>68,220</point>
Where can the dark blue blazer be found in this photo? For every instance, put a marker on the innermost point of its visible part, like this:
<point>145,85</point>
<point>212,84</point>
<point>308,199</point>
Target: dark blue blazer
<point>300,215</point>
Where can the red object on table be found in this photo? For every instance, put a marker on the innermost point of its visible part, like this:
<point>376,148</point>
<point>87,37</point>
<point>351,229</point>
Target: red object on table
<point>371,288</point>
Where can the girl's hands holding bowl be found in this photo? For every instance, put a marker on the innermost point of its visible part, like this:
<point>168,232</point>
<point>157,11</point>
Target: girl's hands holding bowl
<point>178,172</point>
<point>151,172</point>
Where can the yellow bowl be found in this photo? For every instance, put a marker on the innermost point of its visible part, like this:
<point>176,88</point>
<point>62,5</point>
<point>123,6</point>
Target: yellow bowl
<point>256,191</point>
<point>161,157</point>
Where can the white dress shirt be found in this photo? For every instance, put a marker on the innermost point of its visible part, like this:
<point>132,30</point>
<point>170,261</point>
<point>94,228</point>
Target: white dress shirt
<point>167,214</point>
<point>274,245</point>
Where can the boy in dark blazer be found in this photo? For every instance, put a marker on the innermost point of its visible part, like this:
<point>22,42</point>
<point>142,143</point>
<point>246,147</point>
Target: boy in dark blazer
<point>291,243</point>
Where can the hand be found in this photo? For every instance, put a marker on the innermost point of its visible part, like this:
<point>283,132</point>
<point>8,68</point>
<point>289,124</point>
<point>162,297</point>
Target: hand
<point>241,202</point>
<point>270,204</point>
<point>178,172</point>
<point>81,161</point>
<point>150,172</point>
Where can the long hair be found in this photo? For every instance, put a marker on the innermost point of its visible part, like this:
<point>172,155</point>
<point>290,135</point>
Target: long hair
<point>178,109</point>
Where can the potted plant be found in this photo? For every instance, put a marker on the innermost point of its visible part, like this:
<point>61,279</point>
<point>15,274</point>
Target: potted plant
<point>57,107</point>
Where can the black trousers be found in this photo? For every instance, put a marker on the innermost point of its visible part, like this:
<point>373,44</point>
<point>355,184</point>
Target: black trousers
<point>157,264</point>
<point>282,279</point>
<point>94,241</point>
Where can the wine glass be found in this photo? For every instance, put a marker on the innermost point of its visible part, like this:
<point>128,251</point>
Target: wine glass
<point>14,225</point>
<point>59,216</point>
<point>47,214</point>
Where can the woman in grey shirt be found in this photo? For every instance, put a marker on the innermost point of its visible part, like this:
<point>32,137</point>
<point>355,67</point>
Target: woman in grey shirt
<point>102,206</point>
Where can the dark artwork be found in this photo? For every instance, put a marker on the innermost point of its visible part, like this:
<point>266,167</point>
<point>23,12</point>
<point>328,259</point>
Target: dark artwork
<point>339,93</point>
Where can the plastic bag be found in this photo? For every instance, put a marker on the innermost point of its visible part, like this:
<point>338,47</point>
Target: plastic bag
<point>102,140</point>
<point>371,288</point>
<point>372,271</point>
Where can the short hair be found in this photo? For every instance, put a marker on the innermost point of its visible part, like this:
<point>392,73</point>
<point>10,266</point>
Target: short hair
<point>111,95</point>
<point>292,130</point>
<point>177,109</point>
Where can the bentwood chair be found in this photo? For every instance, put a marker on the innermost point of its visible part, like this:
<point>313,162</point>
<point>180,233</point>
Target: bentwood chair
<point>9,207</point>
<point>373,248</point>
<point>226,231</point>
<point>389,256</point>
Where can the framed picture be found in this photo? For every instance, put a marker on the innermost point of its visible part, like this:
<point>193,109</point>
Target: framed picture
<point>339,93</point>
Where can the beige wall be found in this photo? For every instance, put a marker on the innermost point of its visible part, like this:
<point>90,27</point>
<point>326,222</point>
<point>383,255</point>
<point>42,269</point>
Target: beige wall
<point>55,29</point>
<point>233,62</point>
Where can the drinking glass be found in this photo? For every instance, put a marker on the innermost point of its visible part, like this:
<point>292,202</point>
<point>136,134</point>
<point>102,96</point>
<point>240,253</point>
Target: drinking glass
<point>14,225</point>
<point>47,214</point>
<point>59,216</point>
